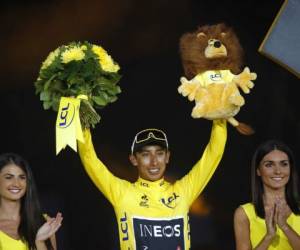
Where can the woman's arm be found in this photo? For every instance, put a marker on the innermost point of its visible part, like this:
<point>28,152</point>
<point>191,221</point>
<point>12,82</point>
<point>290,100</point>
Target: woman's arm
<point>241,230</point>
<point>48,230</point>
<point>282,211</point>
<point>293,237</point>
<point>41,245</point>
<point>53,241</point>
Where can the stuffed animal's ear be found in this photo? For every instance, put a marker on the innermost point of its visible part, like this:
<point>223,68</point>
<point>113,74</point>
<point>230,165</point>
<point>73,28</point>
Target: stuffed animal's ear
<point>201,35</point>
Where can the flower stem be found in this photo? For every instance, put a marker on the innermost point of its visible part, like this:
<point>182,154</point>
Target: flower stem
<point>88,115</point>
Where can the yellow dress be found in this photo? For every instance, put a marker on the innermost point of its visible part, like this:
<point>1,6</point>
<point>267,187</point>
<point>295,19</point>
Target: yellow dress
<point>258,229</point>
<point>8,243</point>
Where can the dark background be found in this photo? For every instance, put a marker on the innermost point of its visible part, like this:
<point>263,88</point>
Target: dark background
<point>142,36</point>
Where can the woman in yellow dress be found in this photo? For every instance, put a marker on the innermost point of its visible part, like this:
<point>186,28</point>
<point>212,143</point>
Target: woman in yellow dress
<point>22,224</point>
<point>272,219</point>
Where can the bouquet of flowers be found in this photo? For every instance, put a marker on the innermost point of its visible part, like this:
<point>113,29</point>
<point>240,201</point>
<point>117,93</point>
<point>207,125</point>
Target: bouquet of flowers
<point>79,68</point>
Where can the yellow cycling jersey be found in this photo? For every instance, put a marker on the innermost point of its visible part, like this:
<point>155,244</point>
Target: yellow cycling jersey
<point>154,215</point>
<point>9,243</point>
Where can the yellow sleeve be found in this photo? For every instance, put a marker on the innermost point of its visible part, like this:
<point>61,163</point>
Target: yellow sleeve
<point>110,185</point>
<point>195,181</point>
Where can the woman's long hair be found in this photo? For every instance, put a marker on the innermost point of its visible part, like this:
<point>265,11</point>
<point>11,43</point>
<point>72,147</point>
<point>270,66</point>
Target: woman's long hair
<point>292,187</point>
<point>30,213</point>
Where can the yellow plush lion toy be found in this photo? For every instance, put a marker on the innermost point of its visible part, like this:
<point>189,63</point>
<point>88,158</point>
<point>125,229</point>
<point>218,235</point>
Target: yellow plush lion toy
<point>212,58</point>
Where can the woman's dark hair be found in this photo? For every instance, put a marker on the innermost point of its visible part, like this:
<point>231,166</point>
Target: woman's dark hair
<point>291,190</point>
<point>31,215</point>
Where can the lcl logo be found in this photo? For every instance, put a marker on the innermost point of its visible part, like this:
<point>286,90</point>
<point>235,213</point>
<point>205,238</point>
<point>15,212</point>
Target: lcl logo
<point>168,202</point>
<point>66,115</point>
<point>124,227</point>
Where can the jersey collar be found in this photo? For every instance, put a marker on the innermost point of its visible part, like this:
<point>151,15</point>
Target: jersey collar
<point>151,184</point>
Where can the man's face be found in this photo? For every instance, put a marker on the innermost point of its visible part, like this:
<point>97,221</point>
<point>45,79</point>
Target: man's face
<point>151,162</point>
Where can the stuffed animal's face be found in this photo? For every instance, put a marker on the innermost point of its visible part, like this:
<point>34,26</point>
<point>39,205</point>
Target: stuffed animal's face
<point>210,47</point>
<point>215,49</point>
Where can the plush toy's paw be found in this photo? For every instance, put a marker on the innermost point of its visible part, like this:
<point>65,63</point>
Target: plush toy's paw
<point>244,80</point>
<point>184,80</point>
<point>188,88</point>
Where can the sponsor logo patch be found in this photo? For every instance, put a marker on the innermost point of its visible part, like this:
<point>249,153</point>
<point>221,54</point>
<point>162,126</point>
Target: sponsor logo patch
<point>216,77</point>
<point>144,201</point>
<point>159,234</point>
<point>170,201</point>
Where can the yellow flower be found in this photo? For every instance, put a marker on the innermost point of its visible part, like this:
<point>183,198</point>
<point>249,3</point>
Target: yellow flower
<point>72,54</point>
<point>105,60</point>
<point>50,58</point>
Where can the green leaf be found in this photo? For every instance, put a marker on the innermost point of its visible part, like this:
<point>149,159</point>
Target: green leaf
<point>100,100</point>
<point>47,105</point>
<point>45,96</point>
<point>47,84</point>
<point>113,99</point>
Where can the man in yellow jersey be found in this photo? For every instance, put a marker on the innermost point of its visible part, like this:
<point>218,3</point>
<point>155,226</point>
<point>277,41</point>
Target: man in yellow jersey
<point>152,214</point>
